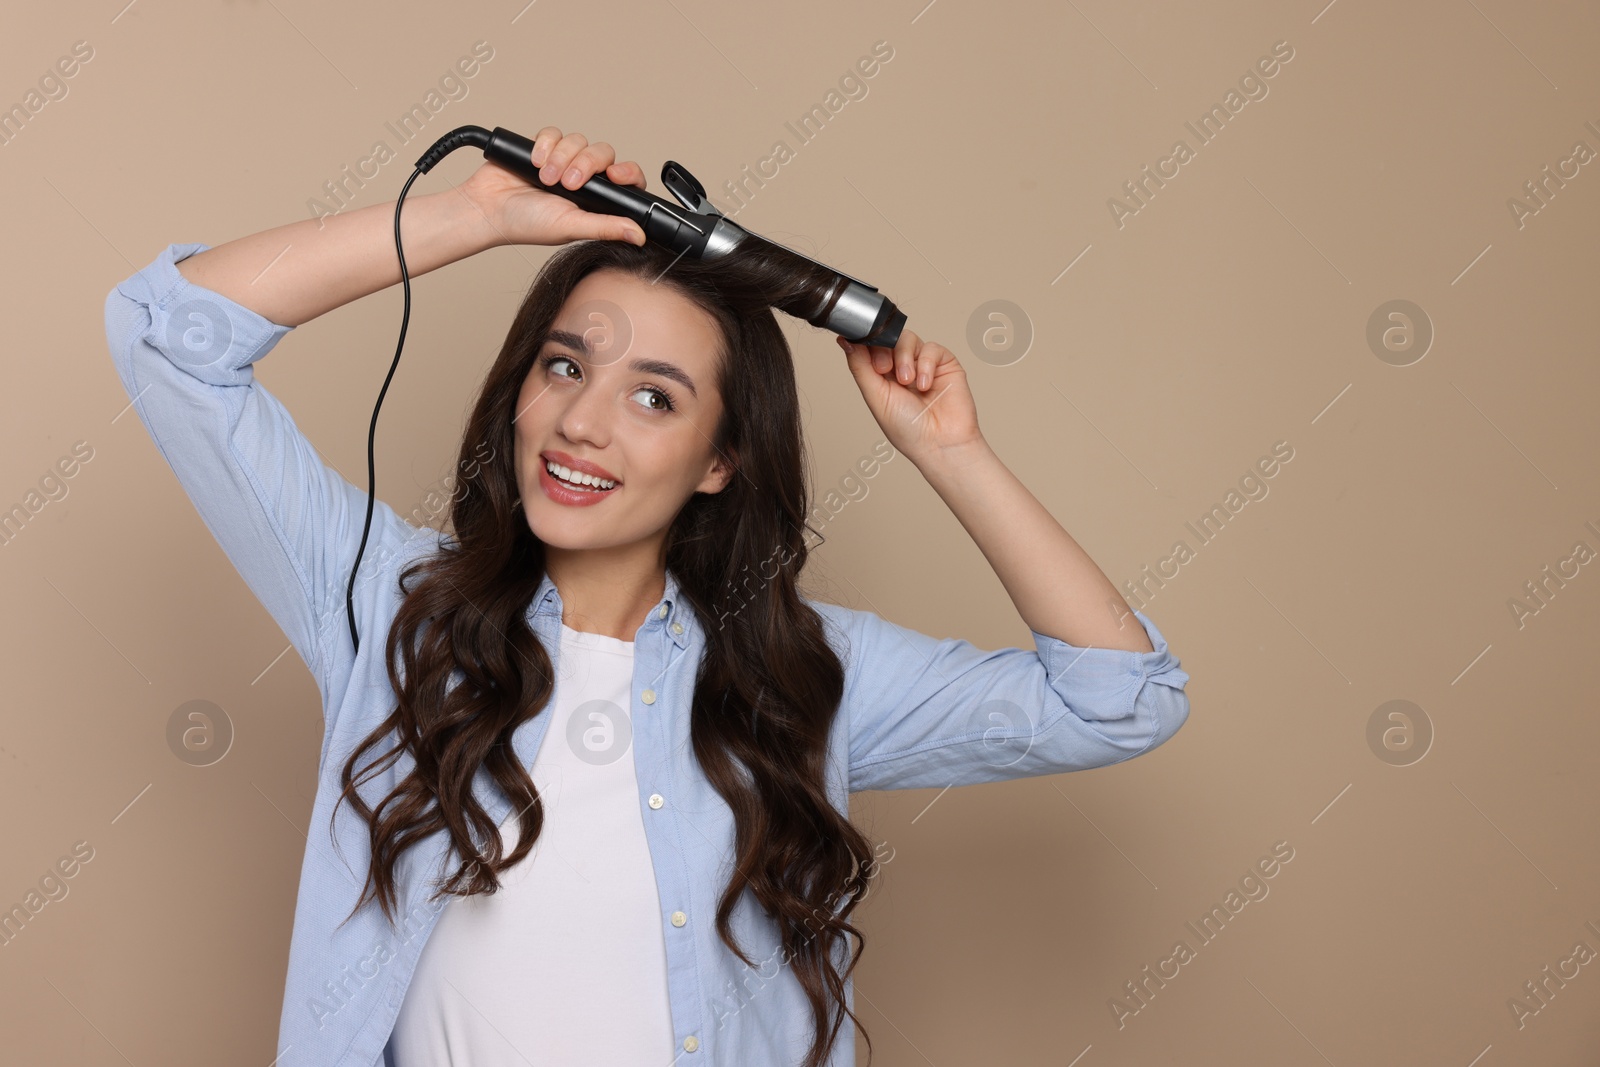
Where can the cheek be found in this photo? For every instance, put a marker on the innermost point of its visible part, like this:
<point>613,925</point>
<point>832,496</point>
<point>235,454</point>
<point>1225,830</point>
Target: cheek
<point>524,431</point>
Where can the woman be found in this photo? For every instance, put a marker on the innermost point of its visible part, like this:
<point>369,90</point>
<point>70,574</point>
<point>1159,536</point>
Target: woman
<point>588,801</point>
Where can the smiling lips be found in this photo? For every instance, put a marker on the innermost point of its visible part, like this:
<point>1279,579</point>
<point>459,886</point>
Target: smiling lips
<point>571,481</point>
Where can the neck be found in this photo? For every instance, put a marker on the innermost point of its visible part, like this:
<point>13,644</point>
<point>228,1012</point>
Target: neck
<point>607,591</point>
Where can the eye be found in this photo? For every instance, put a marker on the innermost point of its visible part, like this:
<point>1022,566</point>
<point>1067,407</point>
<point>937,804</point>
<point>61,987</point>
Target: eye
<point>661,394</point>
<point>554,358</point>
<point>666,402</point>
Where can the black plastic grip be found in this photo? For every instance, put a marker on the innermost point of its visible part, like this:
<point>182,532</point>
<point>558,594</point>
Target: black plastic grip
<point>662,221</point>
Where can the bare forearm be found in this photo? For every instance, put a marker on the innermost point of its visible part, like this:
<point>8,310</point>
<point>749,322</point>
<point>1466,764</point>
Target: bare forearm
<point>1057,589</point>
<point>293,273</point>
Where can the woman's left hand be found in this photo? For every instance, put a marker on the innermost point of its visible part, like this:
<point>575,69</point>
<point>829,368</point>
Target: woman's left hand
<point>918,393</point>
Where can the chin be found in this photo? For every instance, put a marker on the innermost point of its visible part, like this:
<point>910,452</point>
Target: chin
<point>554,532</point>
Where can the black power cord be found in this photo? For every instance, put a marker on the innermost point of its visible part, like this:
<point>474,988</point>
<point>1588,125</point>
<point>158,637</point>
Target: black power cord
<point>372,430</point>
<point>457,138</point>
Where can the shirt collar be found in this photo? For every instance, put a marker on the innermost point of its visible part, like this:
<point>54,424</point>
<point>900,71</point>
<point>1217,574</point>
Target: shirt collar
<point>672,613</point>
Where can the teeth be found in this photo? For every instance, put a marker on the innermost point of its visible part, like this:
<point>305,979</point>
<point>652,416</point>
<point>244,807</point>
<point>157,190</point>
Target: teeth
<point>588,481</point>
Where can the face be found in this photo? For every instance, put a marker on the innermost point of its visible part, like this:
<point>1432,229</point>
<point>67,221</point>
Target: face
<point>624,390</point>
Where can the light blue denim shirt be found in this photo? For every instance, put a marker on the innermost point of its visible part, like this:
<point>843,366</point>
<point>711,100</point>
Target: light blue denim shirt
<point>917,711</point>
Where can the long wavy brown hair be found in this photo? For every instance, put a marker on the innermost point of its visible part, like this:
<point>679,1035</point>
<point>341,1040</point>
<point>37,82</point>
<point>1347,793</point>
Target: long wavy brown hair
<point>767,688</point>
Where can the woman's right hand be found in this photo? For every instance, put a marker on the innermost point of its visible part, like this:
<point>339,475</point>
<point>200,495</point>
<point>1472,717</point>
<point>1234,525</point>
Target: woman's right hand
<point>524,214</point>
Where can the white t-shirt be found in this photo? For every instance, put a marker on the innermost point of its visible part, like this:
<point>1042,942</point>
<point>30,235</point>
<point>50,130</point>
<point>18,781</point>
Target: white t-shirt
<point>566,963</point>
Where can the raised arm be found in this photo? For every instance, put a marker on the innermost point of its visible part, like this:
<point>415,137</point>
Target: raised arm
<point>185,331</point>
<point>291,274</point>
<point>1100,686</point>
<point>926,712</point>
<point>918,393</point>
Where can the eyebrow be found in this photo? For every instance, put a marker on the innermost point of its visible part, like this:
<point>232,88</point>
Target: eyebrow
<point>648,366</point>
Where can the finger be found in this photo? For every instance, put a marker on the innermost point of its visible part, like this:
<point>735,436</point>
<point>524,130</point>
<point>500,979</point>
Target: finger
<point>629,173</point>
<point>859,358</point>
<point>560,157</point>
<point>596,156</point>
<point>927,363</point>
<point>543,141</point>
<point>905,357</point>
<point>592,225</point>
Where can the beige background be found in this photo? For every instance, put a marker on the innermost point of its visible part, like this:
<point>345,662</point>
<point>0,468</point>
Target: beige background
<point>1229,313</point>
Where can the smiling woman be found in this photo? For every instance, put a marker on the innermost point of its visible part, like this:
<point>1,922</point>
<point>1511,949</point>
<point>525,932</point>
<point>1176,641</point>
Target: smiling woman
<point>634,429</point>
<point>621,765</point>
<point>684,402</point>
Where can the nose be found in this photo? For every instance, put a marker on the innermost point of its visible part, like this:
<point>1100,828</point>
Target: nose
<point>586,416</point>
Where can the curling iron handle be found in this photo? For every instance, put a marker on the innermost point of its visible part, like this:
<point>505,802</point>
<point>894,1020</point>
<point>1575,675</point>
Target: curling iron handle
<point>661,220</point>
<point>514,152</point>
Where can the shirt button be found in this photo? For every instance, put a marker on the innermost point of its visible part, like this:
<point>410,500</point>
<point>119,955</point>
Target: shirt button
<point>655,800</point>
<point>648,696</point>
<point>679,918</point>
<point>691,1043</point>
<point>662,613</point>
<point>677,627</point>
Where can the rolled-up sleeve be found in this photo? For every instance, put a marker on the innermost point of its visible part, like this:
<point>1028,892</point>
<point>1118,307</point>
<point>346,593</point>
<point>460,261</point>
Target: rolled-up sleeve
<point>288,523</point>
<point>930,712</point>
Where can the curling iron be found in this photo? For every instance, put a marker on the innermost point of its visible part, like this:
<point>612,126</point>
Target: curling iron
<point>850,307</point>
